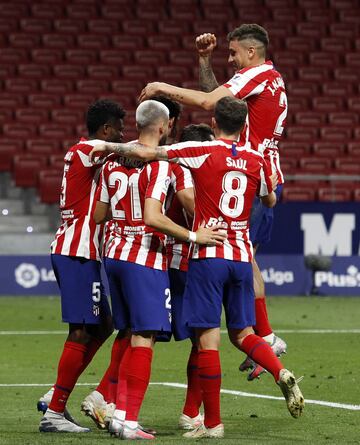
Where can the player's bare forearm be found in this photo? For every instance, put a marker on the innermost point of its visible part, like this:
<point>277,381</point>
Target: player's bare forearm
<point>101,212</point>
<point>133,151</point>
<point>269,200</point>
<point>207,79</point>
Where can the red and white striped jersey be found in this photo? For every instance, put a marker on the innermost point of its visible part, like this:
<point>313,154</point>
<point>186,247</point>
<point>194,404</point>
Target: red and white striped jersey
<point>178,251</point>
<point>226,176</point>
<point>125,184</point>
<point>78,234</point>
<point>263,89</point>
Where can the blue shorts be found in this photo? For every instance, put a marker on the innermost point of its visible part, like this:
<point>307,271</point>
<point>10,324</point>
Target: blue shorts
<point>83,300</point>
<point>261,220</point>
<point>214,282</point>
<point>140,296</point>
<point>177,286</point>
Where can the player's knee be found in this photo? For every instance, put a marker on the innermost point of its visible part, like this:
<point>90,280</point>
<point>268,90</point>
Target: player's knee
<point>79,334</point>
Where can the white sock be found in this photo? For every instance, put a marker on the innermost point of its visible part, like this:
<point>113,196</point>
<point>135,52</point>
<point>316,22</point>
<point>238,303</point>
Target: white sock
<point>119,414</point>
<point>132,424</point>
<point>50,411</point>
<point>269,338</point>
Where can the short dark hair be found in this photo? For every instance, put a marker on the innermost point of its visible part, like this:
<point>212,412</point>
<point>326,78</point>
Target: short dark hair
<point>173,106</point>
<point>196,132</point>
<point>102,112</point>
<point>230,114</point>
<point>250,31</point>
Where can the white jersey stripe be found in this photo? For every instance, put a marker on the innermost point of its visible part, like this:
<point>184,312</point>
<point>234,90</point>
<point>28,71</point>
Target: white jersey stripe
<point>228,251</point>
<point>68,237</point>
<point>83,248</point>
<point>257,90</point>
<point>239,81</point>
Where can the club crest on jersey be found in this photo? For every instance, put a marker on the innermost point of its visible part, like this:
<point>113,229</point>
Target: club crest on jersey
<point>96,310</point>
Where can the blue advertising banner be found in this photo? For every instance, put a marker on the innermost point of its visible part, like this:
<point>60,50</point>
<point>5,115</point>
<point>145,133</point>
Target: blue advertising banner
<point>283,275</point>
<point>320,228</point>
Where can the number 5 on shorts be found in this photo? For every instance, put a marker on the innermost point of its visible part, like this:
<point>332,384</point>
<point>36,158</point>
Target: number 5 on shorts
<point>96,291</point>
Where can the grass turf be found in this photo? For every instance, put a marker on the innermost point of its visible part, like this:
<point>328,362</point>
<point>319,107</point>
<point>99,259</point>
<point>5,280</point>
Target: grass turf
<point>329,363</point>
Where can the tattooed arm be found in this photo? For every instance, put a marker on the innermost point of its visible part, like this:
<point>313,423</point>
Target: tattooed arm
<point>133,151</point>
<point>205,44</point>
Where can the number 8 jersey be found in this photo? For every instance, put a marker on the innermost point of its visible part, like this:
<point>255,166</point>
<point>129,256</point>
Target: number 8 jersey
<point>125,184</point>
<point>226,177</point>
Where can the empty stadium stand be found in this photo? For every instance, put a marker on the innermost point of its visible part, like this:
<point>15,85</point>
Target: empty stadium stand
<point>57,57</point>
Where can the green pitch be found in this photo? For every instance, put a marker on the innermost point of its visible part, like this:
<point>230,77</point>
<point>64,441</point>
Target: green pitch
<point>330,364</point>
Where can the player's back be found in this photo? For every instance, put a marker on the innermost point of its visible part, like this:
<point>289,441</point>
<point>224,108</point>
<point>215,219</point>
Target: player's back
<point>126,184</point>
<point>78,235</point>
<point>226,176</point>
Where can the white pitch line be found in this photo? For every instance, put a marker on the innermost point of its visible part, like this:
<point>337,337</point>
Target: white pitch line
<point>183,386</point>
<point>223,331</point>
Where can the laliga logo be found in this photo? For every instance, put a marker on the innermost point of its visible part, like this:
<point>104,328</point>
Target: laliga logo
<point>350,279</point>
<point>277,277</point>
<point>27,275</point>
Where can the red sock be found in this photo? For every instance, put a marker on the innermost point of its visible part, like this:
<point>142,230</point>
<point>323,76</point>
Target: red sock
<point>262,327</point>
<point>193,393</point>
<point>91,350</point>
<point>260,351</point>
<point>137,380</point>
<point>210,383</point>
<point>69,369</point>
<point>121,393</point>
<point>107,386</point>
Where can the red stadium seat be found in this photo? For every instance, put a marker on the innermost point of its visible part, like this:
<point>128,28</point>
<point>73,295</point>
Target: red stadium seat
<point>43,146</point>
<point>314,74</point>
<point>104,26</point>
<point>316,165</point>
<point>67,71</point>
<point>335,134</point>
<point>80,13</point>
<point>346,75</point>
<point>49,185</point>
<point>7,70</point>
<point>115,57</point>
<point>328,149</point>
<point>80,56</point>
<point>327,104</point>
<point>128,43</point>
<point>163,43</point>
<point>292,149</point>
<point>185,58</point>
<point>24,40</point>
<point>173,27</point>
<point>34,70</point>
<point>334,195</point>
<point>343,4</point>
<point>142,74</point>
<point>172,74</point>
<point>67,117</point>
<point>57,86</point>
<point>343,30</point>
<point>69,26</point>
<point>11,100</point>
<point>56,161</point>
<point>252,15</point>
<point>13,55</point>
<point>353,148</point>
<point>203,26</point>
<point>352,60</point>
<point>346,165</point>
<point>150,57</point>
<point>182,11</point>
<point>55,131</point>
<point>149,12</point>
<point>300,194</point>
<point>311,118</point>
<point>92,41</point>
<point>61,41</point>
<point>344,118</point>
<point>320,15</point>
<point>289,165</point>
<point>80,101</point>
<point>324,59</point>
<point>47,10</point>
<point>351,16</point>
<point>311,30</point>
<point>302,134</point>
<point>6,115</point>
<point>14,10</point>
<point>357,194</point>
<point>288,58</point>
<point>9,147</point>
<point>92,86</point>
<point>8,25</point>
<point>340,89</point>
<point>26,168</point>
<point>137,28</point>
<point>221,13</point>
<point>19,130</point>
<point>104,72</point>
<point>35,24</point>
<point>334,44</point>
<point>301,88</point>
<point>43,100</point>
<point>117,11</point>
<point>47,55</point>
<point>296,104</point>
<point>313,4</point>
<point>20,86</point>
<point>31,115</point>
<point>287,15</point>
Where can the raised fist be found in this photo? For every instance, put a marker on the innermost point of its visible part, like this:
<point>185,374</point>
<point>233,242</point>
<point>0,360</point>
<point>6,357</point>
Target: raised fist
<point>205,44</point>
